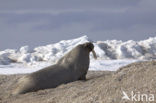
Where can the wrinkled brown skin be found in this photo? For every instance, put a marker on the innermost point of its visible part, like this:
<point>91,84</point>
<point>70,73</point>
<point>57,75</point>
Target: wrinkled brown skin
<point>71,67</point>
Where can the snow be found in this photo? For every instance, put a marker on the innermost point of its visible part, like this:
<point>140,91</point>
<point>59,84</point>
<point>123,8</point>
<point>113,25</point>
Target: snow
<point>111,54</point>
<point>95,65</point>
<point>109,65</point>
<point>15,68</point>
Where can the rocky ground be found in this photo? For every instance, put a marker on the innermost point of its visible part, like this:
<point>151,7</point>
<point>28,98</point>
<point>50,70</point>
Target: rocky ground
<point>100,87</point>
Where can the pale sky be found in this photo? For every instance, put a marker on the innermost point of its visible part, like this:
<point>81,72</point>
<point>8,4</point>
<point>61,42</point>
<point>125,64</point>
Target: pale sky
<point>41,22</point>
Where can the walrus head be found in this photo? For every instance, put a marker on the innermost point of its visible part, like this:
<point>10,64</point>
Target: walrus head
<point>90,47</point>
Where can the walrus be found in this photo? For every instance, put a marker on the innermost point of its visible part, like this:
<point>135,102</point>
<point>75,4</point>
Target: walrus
<point>71,67</point>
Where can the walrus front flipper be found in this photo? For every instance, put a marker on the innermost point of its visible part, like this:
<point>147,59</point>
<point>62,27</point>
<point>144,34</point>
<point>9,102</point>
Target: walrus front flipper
<point>83,77</point>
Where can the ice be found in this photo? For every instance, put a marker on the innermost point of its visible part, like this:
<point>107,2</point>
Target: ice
<point>109,65</point>
<point>111,54</point>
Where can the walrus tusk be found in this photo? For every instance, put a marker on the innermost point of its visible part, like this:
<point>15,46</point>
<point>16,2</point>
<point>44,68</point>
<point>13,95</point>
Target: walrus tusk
<point>94,54</point>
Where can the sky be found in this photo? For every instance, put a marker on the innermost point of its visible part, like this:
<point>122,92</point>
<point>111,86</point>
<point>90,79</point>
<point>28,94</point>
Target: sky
<point>42,22</point>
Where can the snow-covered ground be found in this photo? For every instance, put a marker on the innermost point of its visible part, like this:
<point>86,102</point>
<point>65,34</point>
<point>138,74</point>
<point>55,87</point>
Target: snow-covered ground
<point>111,54</point>
<point>100,65</point>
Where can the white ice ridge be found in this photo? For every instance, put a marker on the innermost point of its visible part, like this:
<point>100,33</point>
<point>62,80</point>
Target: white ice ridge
<point>106,50</point>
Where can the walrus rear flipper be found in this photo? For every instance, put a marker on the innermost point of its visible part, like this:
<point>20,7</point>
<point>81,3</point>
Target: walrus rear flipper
<point>24,85</point>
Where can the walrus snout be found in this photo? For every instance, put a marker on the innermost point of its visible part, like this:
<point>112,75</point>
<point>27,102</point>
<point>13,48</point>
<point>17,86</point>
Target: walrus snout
<point>90,46</point>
